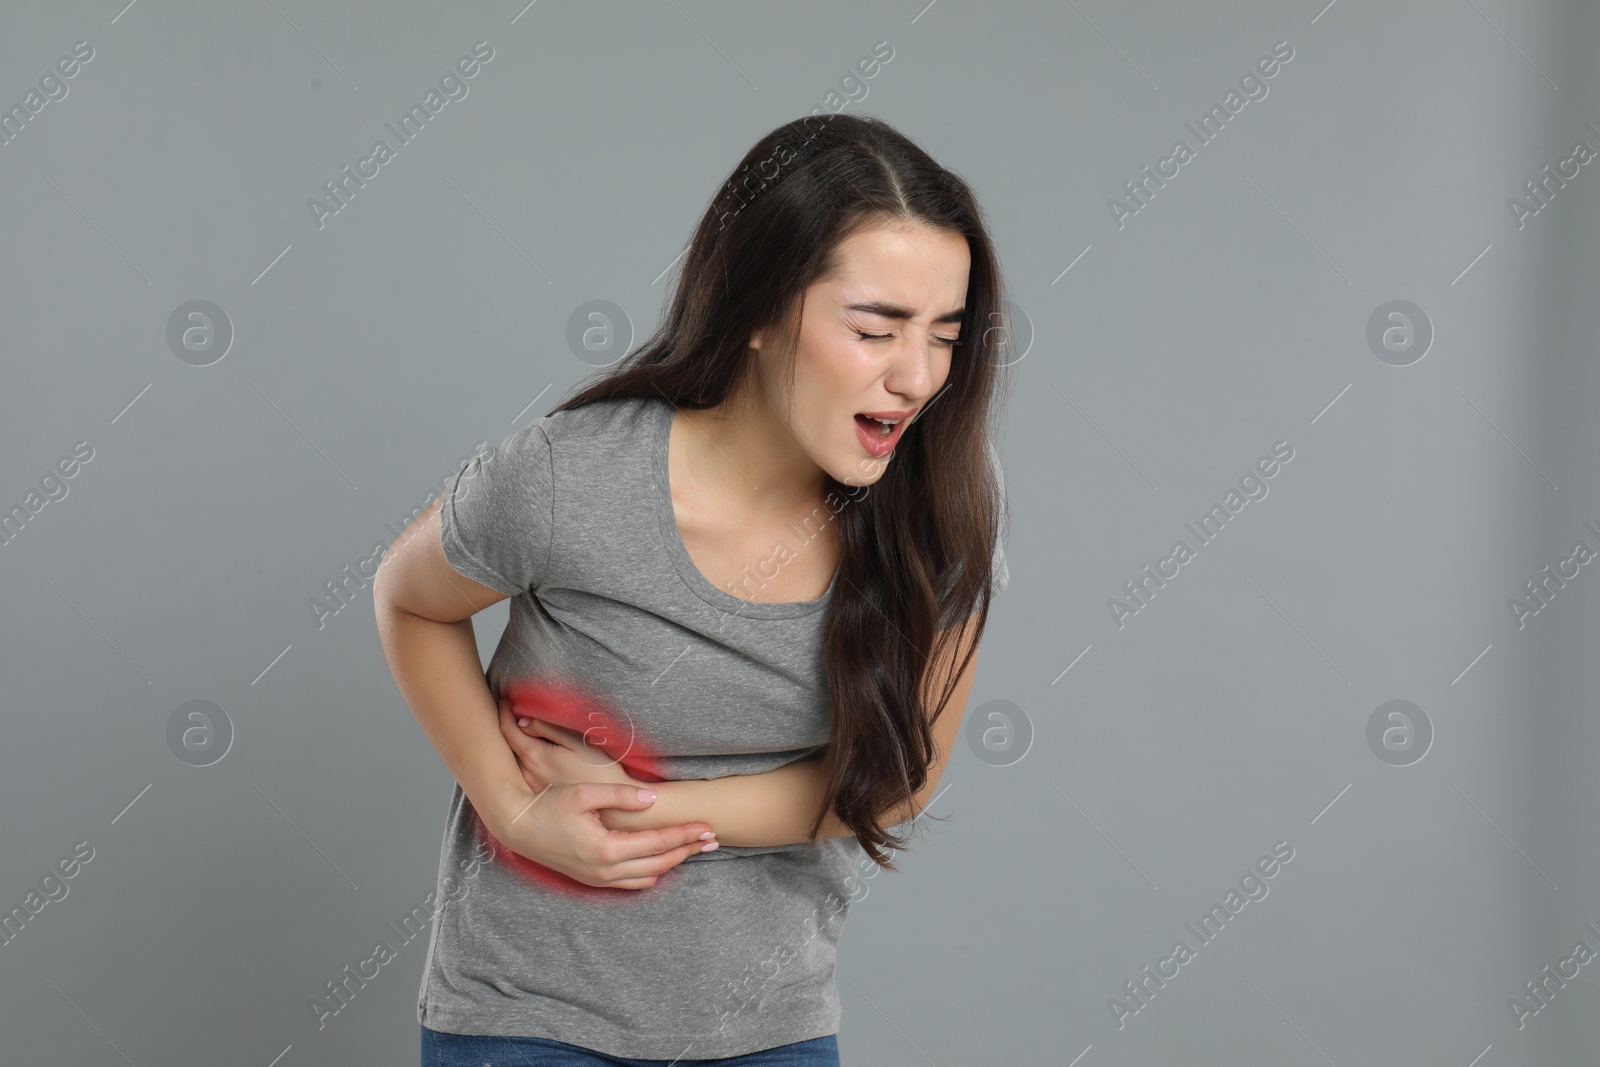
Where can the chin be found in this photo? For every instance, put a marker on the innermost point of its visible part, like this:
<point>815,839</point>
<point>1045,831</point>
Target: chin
<point>866,473</point>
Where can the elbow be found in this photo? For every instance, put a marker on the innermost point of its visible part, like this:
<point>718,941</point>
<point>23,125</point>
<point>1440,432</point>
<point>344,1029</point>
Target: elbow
<point>919,802</point>
<point>388,601</point>
<point>382,594</point>
<point>392,595</point>
<point>384,607</point>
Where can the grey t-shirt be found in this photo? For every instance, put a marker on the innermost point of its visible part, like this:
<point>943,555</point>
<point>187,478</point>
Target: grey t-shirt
<point>730,952</point>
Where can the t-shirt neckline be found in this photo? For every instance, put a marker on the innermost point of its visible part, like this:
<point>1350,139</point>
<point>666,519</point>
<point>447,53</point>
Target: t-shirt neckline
<point>699,584</point>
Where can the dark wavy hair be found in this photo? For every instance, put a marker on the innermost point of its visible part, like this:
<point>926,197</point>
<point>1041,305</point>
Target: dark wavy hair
<point>916,549</point>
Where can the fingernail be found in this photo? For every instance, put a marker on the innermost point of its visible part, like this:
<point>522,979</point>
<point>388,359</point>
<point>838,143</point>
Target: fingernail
<point>708,846</point>
<point>708,835</point>
<point>523,722</point>
<point>646,795</point>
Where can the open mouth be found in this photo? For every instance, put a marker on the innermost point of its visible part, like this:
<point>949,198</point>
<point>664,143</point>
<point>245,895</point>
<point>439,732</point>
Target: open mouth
<point>880,433</point>
<point>879,428</point>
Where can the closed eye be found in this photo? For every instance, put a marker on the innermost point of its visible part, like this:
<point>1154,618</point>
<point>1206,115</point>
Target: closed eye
<point>949,342</point>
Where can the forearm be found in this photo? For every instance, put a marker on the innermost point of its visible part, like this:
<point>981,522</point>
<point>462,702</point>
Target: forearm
<point>436,666</point>
<point>776,808</point>
<point>749,810</point>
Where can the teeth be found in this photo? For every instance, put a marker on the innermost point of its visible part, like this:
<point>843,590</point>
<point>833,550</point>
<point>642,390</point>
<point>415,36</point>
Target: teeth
<point>885,426</point>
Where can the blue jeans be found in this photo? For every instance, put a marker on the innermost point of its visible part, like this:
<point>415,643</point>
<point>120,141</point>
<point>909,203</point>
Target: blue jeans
<point>440,1049</point>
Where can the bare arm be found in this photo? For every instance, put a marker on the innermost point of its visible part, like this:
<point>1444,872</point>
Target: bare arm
<point>746,810</point>
<point>424,614</point>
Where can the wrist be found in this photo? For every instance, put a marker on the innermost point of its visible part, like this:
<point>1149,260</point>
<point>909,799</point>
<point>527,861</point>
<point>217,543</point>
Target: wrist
<point>500,803</point>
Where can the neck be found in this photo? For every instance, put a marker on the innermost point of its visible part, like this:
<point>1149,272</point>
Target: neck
<point>743,452</point>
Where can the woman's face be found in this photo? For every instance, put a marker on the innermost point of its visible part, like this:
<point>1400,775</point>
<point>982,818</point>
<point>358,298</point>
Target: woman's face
<point>874,339</point>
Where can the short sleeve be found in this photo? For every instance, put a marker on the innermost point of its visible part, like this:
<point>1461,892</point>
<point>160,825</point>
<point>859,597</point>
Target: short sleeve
<point>497,519</point>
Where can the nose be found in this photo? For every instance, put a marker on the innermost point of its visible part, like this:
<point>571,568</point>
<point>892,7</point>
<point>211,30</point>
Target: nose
<point>911,373</point>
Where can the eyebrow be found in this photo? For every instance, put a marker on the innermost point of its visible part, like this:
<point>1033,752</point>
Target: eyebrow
<point>896,311</point>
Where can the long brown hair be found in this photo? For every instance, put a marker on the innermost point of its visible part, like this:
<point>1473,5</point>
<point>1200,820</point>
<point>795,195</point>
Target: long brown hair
<point>916,549</point>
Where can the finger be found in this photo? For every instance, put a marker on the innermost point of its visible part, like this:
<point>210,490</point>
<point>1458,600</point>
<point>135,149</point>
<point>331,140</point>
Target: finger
<point>509,730</point>
<point>571,741</point>
<point>648,868</point>
<point>637,883</point>
<point>532,772</point>
<point>529,754</point>
<point>559,734</point>
<point>632,846</point>
<point>591,796</point>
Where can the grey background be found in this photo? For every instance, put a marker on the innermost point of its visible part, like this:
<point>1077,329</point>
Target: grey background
<point>431,313</point>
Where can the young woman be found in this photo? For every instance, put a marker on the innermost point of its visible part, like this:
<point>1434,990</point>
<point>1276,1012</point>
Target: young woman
<point>749,570</point>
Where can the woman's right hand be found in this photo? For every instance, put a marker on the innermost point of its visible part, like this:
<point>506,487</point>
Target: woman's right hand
<point>560,828</point>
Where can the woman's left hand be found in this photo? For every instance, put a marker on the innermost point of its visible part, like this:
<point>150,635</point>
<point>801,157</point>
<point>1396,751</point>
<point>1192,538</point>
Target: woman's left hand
<point>553,755</point>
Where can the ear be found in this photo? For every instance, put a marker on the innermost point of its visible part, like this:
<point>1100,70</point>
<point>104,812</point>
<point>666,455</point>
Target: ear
<point>756,340</point>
